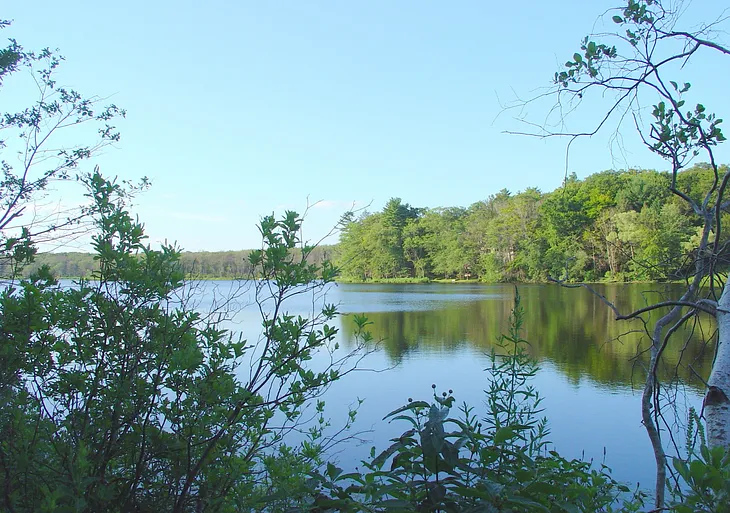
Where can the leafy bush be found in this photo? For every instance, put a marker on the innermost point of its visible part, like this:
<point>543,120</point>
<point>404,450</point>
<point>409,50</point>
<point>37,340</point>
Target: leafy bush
<point>706,482</point>
<point>703,483</point>
<point>114,396</point>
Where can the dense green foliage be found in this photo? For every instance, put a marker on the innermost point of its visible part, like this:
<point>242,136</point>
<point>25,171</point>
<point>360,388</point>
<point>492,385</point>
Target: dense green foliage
<point>613,226</point>
<point>117,396</point>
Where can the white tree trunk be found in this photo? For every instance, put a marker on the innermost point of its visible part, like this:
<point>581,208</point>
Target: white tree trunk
<point>716,404</point>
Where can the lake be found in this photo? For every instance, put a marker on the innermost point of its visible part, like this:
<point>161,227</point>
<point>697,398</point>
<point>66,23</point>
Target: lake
<point>590,377</point>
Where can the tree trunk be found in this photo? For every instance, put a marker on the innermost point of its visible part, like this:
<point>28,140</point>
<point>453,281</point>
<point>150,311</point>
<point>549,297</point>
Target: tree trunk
<point>716,404</point>
<point>647,405</point>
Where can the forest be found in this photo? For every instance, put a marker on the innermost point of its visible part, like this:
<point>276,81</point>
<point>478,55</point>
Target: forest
<point>611,226</point>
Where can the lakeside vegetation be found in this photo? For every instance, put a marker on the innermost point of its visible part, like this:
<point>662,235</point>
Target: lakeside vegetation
<point>613,226</point>
<point>119,395</point>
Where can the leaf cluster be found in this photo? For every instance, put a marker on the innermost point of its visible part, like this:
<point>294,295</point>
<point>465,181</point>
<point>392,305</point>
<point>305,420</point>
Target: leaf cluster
<point>33,152</point>
<point>116,395</point>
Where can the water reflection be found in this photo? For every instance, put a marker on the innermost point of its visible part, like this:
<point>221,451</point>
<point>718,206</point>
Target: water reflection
<point>571,329</point>
<point>439,333</point>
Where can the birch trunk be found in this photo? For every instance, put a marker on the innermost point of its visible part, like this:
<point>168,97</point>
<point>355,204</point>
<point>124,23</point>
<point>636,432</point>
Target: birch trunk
<point>716,403</point>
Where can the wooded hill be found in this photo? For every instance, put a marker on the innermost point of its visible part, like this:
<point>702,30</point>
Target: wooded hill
<point>612,226</point>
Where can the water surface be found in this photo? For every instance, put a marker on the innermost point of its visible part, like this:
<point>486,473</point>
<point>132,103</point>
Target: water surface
<point>592,367</point>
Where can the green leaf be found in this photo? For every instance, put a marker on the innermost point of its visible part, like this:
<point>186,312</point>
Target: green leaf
<point>570,508</point>
<point>544,488</point>
<point>387,453</point>
<point>697,470</point>
<point>437,493</point>
<point>406,418</point>
<point>472,492</point>
<point>521,501</point>
<point>504,434</point>
<point>333,471</point>
<point>617,19</point>
<point>410,406</point>
<point>681,467</point>
<point>395,504</point>
<point>450,454</point>
<point>705,452</point>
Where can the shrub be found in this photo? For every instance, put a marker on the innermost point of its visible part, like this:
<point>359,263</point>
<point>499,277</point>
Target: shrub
<point>115,396</point>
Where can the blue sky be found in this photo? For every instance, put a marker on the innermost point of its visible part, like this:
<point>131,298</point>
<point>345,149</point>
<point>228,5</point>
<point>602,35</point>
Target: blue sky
<point>238,109</point>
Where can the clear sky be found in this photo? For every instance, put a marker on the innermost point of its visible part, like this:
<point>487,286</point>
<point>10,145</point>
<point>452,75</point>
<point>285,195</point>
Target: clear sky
<point>240,108</point>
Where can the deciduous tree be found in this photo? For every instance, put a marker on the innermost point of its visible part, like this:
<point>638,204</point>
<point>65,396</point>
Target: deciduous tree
<point>34,149</point>
<point>644,61</point>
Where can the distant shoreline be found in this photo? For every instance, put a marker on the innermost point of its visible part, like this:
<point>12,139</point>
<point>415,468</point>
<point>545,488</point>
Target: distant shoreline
<point>408,281</point>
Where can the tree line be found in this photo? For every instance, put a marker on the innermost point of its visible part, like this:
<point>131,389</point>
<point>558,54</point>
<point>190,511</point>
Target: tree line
<point>211,265</point>
<point>611,226</point>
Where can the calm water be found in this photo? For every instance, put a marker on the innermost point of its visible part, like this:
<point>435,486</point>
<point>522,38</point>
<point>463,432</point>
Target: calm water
<point>590,377</point>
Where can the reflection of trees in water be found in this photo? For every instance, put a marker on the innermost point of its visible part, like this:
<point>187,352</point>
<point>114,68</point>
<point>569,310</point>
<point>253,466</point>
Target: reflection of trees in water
<point>571,328</point>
